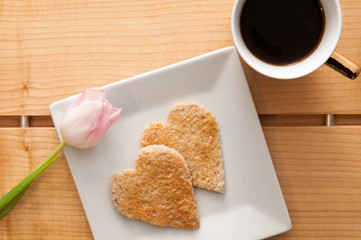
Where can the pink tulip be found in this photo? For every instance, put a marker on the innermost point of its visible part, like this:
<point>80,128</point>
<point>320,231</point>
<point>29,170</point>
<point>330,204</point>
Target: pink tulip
<point>88,118</point>
<point>84,124</point>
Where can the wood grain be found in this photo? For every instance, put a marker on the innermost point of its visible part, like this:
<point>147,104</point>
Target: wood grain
<point>50,50</point>
<point>319,170</point>
<point>51,208</point>
<point>53,49</point>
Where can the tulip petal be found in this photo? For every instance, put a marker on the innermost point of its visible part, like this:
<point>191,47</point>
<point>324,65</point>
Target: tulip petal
<point>89,93</point>
<point>87,120</point>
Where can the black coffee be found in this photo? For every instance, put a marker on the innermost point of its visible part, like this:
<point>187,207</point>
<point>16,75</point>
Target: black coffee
<point>282,32</point>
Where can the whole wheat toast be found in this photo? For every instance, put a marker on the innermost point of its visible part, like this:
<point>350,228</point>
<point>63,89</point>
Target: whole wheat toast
<point>192,130</point>
<point>158,191</point>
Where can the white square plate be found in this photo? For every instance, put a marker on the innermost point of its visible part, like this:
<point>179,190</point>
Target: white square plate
<point>252,206</point>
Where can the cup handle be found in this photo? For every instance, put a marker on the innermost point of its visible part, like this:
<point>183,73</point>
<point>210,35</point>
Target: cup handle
<point>342,65</point>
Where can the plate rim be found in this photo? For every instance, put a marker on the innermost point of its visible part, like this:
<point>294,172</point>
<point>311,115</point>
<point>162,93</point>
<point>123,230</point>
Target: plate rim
<point>225,50</point>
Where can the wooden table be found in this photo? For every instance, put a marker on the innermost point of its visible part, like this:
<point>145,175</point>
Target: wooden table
<point>53,49</point>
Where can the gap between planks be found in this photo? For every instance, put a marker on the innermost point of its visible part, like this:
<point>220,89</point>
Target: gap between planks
<point>273,120</point>
<point>304,120</point>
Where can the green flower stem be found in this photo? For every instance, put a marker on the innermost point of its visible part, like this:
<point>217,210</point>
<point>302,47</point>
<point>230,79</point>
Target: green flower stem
<point>15,198</point>
<point>12,203</point>
<point>12,197</point>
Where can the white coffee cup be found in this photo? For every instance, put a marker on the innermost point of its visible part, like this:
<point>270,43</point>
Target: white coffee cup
<point>324,53</point>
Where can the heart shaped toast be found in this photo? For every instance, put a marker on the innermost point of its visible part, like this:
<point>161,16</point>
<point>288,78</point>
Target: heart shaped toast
<point>192,130</point>
<point>158,191</point>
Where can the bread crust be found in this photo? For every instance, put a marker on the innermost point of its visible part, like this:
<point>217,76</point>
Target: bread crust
<point>193,131</point>
<point>158,191</point>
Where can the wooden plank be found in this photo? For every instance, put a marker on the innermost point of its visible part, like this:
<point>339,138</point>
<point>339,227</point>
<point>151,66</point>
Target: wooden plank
<point>51,208</point>
<point>319,170</point>
<point>49,51</point>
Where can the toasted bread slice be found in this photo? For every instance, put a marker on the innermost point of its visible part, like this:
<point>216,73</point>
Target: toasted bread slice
<point>158,191</point>
<point>192,130</point>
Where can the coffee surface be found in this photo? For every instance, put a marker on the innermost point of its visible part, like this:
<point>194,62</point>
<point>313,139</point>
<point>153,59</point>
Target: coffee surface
<point>282,32</point>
